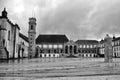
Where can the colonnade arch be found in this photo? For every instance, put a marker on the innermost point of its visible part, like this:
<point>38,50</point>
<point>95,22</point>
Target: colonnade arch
<point>71,49</point>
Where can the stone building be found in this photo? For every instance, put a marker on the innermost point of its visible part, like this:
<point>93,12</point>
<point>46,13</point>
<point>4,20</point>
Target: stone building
<point>23,46</point>
<point>61,46</point>
<point>88,48</point>
<point>115,46</point>
<point>9,34</point>
<point>50,45</point>
<point>32,36</point>
<point>9,37</point>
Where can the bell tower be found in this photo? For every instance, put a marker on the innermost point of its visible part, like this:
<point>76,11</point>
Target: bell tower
<point>31,36</point>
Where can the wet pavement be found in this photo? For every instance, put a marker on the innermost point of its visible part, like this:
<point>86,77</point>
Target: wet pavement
<point>60,69</point>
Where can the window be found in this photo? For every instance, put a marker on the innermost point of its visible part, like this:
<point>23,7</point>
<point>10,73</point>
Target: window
<point>50,46</point>
<point>44,46</point>
<point>8,35</point>
<point>49,51</point>
<point>80,46</point>
<point>87,46</point>
<point>91,46</point>
<point>84,46</point>
<point>61,51</point>
<point>94,46</point>
<point>60,46</point>
<point>31,27</point>
<point>55,51</point>
<point>40,46</point>
<point>55,46</point>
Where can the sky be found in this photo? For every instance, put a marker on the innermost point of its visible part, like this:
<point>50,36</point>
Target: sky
<point>78,19</point>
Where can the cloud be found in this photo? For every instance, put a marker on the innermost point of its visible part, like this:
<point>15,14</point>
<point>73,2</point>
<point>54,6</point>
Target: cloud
<point>78,19</point>
<point>66,19</point>
<point>107,18</point>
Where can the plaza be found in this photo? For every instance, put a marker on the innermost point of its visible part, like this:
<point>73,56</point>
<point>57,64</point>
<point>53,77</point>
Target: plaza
<point>60,69</point>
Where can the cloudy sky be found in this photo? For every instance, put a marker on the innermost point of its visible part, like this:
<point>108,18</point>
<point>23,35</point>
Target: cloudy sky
<point>78,19</point>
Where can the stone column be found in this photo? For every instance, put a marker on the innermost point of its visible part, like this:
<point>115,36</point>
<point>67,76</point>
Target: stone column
<point>72,49</point>
<point>108,48</point>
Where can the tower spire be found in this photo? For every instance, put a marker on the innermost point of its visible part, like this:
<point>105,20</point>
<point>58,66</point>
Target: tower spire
<point>33,13</point>
<point>4,13</point>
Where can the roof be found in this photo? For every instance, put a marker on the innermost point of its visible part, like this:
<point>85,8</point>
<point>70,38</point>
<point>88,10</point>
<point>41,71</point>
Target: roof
<point>87,42</point>
<point>12,24</point>
<point>118,38</point>
<point>51,39</point>
<point>23,37</point>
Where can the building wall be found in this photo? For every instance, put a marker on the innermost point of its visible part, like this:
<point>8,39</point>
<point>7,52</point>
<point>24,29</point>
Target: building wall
<point>24,46</point>
<point>88,50</point>
<point>8,35</point>
<point>50,50</point>
<point>115,46</point>
<point>17,43</point>
<point>58,50</point>
<point>102,48</point>
<point>70,49</point>
<point>5,34</point>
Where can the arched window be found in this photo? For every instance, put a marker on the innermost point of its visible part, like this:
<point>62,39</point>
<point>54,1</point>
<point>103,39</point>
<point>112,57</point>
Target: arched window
<point>66,49</point>
<point>8,35</point>
<point>75,49</point>
<point>31,27</point>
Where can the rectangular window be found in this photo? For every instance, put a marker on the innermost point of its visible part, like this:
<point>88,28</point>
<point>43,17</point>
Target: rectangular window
<point>60,46</point>
<point>50,46</point>
<point>44,46</point>
<point>80,46</point>
<point>55,46</point>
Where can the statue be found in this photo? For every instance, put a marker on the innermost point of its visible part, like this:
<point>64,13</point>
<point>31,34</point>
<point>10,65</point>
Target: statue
<point>108,48</point>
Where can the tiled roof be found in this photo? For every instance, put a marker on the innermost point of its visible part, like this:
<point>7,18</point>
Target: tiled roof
<point>87,42</point>
<point>23,37</point>
<point>44,38</point>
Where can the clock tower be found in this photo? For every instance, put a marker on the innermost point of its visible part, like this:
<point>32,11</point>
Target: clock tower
<point>31,36</point>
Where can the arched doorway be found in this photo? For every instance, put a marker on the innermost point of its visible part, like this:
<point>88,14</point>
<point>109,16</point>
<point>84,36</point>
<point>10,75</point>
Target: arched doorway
<point>66,49</point>
<point>71,49</point>
<point>75,49</point>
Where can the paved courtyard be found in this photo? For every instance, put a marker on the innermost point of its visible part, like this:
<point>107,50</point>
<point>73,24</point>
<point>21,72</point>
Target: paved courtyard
<point>60,69</point>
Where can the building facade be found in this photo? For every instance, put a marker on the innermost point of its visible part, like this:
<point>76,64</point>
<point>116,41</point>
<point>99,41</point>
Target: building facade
<point>88,48</point>
<point>115,47</point>
<point>9,37</point>
<point>9,33</point>
<point>61,46</point>
<point>50,45</point>
<point>70,49</point>
<point>23,46</point>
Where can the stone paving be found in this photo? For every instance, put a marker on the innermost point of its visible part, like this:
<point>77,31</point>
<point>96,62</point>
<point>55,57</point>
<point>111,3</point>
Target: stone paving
<point>60,69</point>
